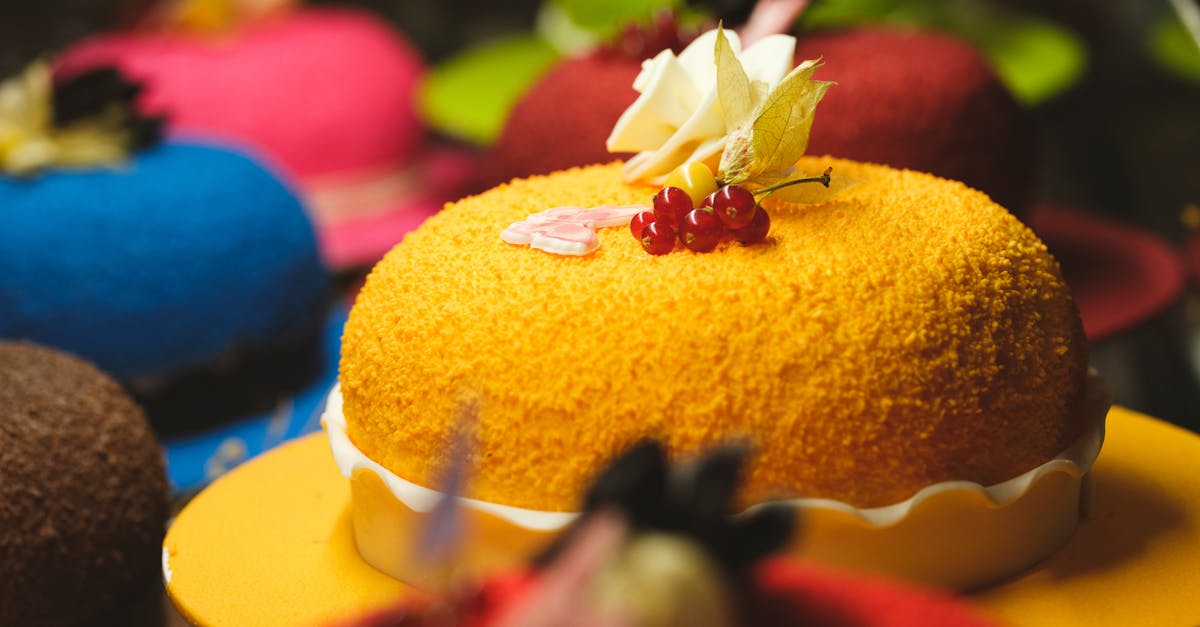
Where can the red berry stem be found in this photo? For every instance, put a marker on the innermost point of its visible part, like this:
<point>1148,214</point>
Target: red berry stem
<point>824,179</point>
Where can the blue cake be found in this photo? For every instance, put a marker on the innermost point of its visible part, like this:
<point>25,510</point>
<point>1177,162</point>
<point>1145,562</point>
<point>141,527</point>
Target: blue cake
<point>186,257</point>
<point>169,261</point>
<point>187,271</point>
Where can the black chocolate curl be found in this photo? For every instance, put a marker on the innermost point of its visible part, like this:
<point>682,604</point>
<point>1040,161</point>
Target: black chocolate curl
<point>692,500</point>
<point>98,91</point>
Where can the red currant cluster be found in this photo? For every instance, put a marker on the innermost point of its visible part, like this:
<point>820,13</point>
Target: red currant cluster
<point>731,212</point>
<point>695,209</point>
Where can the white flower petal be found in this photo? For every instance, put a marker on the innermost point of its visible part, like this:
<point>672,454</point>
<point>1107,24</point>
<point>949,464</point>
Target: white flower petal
<point>700,62</point>
<point>770,58</point>
<point>649,66</point>
<point>705,124</point>
<point>678,116</point>
<point>665,105</point>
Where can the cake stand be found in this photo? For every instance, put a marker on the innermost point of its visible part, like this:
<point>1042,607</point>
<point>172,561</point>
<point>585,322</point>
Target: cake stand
<point>271,543</point>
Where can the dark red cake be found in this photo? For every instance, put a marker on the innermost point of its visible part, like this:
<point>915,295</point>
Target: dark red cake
<point>563,120</point>
<point>922,101</point>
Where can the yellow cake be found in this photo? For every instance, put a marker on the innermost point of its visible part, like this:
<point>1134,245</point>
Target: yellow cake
<point>907,332</point>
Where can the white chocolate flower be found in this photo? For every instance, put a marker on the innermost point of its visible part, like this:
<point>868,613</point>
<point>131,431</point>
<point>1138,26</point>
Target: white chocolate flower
<point>678,117</point>
<point>24,117</point>
<point>29,140</point>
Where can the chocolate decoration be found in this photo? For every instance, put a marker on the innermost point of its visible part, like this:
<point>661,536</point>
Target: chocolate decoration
<point>97,91</point>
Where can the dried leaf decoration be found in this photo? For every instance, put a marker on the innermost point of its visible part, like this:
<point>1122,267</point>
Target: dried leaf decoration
<point>779,135</point>
<point>733,85</point>
<point>769,131</point>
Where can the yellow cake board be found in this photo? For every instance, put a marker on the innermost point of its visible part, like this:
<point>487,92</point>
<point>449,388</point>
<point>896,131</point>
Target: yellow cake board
<point>271,543</point>
<point>1136,559</point>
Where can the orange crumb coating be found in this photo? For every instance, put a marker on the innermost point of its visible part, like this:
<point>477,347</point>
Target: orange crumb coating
<point>907,332</point>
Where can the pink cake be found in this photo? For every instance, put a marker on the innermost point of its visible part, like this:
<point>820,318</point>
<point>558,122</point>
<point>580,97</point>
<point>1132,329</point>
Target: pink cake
<point>325,94</point>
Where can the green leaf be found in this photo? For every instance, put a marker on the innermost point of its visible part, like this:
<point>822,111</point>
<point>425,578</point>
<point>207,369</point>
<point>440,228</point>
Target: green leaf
<point>779,135</point>
<point>1174,49</point>
<point>470,95</point>
<point>844,13</point>
<point>1035,58</point>
<point>605,17</point>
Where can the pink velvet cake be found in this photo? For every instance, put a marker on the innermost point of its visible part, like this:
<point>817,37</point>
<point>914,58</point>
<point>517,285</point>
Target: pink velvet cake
<point>324,94</point>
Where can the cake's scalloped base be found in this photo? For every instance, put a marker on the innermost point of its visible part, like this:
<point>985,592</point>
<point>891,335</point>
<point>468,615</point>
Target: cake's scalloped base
<point>956,534</point>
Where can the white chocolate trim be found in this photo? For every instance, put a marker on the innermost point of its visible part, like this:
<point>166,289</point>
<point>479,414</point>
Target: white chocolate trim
<point>166,565</point>
<point>418,498</point>
<point>955,534</point>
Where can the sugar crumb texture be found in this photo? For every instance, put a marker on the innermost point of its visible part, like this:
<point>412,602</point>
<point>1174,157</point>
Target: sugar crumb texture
<point>908,331</point>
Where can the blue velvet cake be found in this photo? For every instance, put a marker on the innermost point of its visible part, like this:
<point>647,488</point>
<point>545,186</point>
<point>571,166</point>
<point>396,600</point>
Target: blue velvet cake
<point>187,271</point>
<point>169,261</point>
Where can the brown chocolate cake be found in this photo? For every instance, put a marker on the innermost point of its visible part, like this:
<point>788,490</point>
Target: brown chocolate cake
<point>83,495</point>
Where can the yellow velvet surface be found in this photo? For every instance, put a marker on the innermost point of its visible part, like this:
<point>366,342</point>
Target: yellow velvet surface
<point>907,332</point>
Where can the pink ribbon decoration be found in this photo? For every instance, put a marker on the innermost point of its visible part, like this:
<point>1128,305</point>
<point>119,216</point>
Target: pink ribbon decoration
<point>568,231</point>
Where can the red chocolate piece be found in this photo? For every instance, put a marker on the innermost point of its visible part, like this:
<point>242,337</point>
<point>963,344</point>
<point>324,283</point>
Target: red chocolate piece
<point>780,593</point>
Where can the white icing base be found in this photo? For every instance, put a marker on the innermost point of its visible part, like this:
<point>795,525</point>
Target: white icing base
<point>419,498</point>
<point>166,565</point>
<point>956,534</point>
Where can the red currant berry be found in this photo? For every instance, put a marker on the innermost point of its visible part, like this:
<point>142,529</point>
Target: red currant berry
<point>709,200</point>
<point>756,231</point>
<point>658,238</point>
<point>701,231</point>
<point>670,205</point>
<point>639,222</point>
<point>734,206</point>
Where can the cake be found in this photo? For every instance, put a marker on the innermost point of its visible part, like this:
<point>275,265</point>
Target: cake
<point>355,150</point>
<point>188,271</point>
<point>83,496</point>
<point>907,333</point>
<point>900,351</point>
<point>917,100</point>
